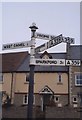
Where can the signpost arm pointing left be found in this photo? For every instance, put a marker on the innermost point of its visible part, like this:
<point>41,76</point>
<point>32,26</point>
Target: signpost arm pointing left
<point>16,45</point>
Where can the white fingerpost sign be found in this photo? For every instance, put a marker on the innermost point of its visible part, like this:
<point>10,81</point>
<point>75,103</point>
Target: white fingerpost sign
<point>56,62</point>
<point>16,45</point>
<point>51,43</point>
<point>73,62</point>
<point>52,37</point>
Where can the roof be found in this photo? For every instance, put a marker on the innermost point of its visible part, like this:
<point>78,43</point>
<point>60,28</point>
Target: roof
<point>73,55</point>
<point>76,52</point>
<point>25,65</point>
<point>11,61</point>
<point>19,62</point>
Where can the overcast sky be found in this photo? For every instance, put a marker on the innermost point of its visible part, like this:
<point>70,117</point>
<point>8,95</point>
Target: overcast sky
<point>52,18</point>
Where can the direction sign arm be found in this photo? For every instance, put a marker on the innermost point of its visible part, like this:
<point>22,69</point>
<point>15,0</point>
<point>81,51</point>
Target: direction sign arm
<point>51,43</point>
<point>16,45</point>
<point>68,40</point>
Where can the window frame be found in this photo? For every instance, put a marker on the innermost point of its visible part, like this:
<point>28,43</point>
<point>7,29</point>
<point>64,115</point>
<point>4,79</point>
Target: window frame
<point>24,99</point>
<point>1,77</point>
<point>26,81</point>
<point>27,99</point>
<point>76,99</point>
<point>56,101</point>
<point>59,77</point>
<point>77,73</point>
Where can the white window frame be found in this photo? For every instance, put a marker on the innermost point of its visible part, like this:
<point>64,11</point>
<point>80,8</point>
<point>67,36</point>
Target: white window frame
<point>75,96</point>
<point>26,78</point>
<point>59,74</point>
<point>76,73</point>
<point>24,99</point>
<point>55,99</point>
<point>45,57</point>
<point>1,77</point>
<point>34,100</point>
<point>27,100</point>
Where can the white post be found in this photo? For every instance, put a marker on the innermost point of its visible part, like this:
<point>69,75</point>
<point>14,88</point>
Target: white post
<point>32,66</point>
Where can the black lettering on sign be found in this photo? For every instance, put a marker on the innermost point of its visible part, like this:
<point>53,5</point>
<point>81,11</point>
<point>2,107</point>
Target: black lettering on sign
<point>61,62</point>
<point>55,62</point>
<point>75,62</point>
<point>52,37</point>
<point>68,63</point>
<point>4,46</point>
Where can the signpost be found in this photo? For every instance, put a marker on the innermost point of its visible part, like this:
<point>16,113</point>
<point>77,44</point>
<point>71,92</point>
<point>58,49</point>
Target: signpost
<point>73,62</point>
<point>55,62</point>
<point>52,37</point>
<point>16,45</point>
<point>53,41</point>
<point>31,80</point>
<point>49,62</point>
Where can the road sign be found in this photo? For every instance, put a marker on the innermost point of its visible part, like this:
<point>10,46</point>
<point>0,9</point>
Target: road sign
<point>43,36</point>
<point>52,37</point>
<point>51,43</point>
<point>16,45</point>
<point>55,62</point>
<point>73,62</point>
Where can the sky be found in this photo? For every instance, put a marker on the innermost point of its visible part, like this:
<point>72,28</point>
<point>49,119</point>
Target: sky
<point>53,18</point>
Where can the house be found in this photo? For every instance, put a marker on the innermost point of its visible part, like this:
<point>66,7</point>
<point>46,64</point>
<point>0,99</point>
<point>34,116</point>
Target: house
<point>53,85</point>
<point>75,77</point>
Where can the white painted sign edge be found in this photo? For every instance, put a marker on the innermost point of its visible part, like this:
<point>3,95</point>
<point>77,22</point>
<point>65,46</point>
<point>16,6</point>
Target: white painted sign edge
<point>55,62</point>
<point>17,45</point>
<point>73,62</point>
<point>48,37</point>
<point>49,44</point>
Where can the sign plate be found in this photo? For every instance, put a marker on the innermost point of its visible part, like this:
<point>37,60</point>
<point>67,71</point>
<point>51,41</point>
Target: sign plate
<point>73,62</point>
<point>16,45</point>
<point>58,62</point>
<point>51,43</point>
<point>55,62</point>
<point>52,37</point>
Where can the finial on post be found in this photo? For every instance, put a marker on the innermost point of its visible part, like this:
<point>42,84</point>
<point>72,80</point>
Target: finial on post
<point>33,27</point>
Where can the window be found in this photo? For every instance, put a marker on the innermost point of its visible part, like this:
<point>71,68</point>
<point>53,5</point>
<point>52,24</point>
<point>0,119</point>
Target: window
<point>78,79</point>
<point>1,78</point>
<point>25,99</point>
<point>27,78</point>
<point>59,77</point>
<point>56,99</point>
<point>45,57</point>
<point>74,99</point>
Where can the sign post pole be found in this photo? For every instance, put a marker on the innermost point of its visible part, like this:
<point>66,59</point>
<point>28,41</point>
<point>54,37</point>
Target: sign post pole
<point>31,79</point>
<point>69,83</point>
